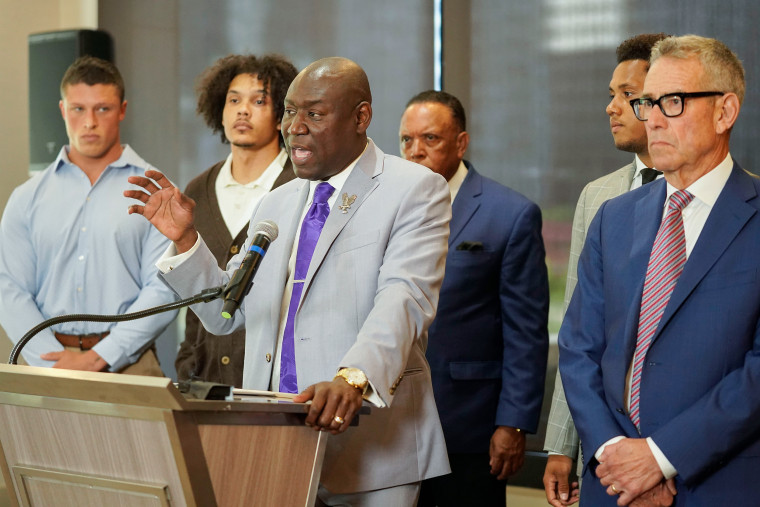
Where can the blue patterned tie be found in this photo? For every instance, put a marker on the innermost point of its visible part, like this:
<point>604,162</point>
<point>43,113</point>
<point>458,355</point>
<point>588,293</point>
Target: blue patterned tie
<point>310,231</point>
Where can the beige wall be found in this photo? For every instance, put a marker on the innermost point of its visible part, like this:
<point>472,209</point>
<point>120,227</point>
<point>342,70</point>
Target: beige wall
<point>18,20</point>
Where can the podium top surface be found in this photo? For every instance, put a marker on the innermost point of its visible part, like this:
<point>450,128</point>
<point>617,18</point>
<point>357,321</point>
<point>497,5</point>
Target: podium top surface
<point>118,389</point>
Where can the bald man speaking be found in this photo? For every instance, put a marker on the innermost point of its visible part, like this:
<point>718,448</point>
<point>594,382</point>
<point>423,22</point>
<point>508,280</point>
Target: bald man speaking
<point>353,281</point>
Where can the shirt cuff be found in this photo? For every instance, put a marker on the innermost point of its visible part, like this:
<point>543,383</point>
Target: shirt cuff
<point>170,259</point>
<point>111,353</point>
<point>372,396</point>
<point>667,468</point>
<point>611,441</point>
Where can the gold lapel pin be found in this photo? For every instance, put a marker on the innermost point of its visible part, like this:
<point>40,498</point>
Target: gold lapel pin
<point>347,202</point>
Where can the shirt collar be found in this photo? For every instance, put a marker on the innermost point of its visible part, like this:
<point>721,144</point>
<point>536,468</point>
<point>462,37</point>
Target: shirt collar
<point>455,183</point>
<point>639,165</point>
<point>265,181</point>
<point>710,185</point>
<point>128,158</point>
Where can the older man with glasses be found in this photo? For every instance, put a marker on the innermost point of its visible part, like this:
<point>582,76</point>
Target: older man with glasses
<point>660,347</point>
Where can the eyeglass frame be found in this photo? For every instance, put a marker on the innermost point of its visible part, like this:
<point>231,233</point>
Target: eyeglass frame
<point>681,95</point>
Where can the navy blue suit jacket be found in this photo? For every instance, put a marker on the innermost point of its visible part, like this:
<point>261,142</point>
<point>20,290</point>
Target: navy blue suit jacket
<point>700,388</point>
<point>488,344</point>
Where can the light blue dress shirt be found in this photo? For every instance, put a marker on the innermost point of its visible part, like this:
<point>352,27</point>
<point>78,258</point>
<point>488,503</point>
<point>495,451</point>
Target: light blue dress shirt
<point>67,247</point>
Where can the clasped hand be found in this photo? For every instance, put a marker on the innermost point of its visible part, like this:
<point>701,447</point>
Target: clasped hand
<point>628,469</point>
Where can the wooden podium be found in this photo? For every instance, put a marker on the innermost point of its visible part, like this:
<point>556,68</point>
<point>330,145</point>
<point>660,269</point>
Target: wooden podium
<point>70,438</point>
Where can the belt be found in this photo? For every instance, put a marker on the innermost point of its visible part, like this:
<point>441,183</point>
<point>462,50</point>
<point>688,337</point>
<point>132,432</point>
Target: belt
<point>83,341</point>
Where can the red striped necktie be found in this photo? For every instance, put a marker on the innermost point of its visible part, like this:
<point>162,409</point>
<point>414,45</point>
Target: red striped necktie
<point>665,266</point>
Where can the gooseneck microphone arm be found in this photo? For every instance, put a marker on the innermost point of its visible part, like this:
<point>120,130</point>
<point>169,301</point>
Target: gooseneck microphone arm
<point>203,297</point>
<point>264,233</point>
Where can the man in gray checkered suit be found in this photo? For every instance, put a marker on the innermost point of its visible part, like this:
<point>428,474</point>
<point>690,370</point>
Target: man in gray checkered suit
<point>629,135</point>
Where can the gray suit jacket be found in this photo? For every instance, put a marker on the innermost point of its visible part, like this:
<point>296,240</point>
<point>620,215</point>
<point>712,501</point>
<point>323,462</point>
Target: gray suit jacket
<point>369,297</point>
<point>561,436</point>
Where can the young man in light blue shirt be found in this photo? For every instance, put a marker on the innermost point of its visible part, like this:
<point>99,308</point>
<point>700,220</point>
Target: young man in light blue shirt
<point>67,247</point>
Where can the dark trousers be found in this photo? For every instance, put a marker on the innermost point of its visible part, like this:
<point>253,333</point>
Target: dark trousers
<point>469,483</point>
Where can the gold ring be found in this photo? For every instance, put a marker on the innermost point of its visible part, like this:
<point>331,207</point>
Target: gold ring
<point>338,419</point>
<point>614,489</point>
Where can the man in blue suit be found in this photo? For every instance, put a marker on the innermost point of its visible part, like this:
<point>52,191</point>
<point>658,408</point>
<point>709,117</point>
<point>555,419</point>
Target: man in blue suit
<point>488,344</point>
<point>684,429</point>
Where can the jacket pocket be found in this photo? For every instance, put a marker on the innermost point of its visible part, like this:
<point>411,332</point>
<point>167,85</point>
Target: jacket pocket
<point>357,241</point>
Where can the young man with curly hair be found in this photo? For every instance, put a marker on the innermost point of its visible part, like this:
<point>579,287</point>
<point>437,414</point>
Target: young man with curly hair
<point>241,97</point>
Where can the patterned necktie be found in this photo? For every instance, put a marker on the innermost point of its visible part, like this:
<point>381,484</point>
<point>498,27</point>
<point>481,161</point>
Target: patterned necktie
<point>311,228</point>
<point>648,175</point>
<point>665,266</point>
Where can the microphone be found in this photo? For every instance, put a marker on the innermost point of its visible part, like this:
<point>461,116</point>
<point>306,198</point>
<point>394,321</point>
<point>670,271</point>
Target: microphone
<point>238,287</point>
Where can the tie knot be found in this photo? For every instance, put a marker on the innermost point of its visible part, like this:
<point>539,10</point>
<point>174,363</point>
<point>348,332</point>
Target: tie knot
<point>680,199</point>
<point>323,192</point>
<point>648,175</point>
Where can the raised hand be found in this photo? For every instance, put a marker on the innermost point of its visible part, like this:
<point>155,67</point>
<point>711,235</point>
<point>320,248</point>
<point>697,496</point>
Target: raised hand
<point>168,209</point>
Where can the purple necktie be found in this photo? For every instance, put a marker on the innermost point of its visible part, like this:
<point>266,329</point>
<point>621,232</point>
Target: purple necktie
<point>310,230</point>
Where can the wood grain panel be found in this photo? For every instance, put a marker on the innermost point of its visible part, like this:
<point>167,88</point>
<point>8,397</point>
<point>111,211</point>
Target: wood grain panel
<point>275,465</point>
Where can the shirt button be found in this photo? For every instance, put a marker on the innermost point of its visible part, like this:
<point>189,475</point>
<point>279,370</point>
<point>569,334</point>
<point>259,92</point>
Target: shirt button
<point>225,360</point>
<point>84,229</point>
<point>81,257</point>
<point>79,289</point>
<point>269,358</point>
<point>234,249</point>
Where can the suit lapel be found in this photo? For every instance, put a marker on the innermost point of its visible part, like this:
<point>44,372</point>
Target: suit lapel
<point>291,207</point>
<point>360,183</point>
<point>727,218</point>
<point>625,178</point>
<point>466,203</point>
<point>647,215</point>
<point>646,221</point>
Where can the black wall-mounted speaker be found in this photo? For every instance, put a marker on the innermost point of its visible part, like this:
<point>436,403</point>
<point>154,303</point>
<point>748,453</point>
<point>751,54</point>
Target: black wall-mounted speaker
<point>50,54</point>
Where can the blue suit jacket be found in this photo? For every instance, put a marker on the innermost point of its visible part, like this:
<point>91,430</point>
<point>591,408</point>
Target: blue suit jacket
<point>700,388</point>
<point>488,344</point>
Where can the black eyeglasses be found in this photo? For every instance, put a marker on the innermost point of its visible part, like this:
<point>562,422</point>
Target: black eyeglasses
<point>671,104</point>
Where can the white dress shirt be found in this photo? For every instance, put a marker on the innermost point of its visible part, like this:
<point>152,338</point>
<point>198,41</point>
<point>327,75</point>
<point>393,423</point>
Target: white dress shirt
<point>237,200</point>
<point>455,183</point>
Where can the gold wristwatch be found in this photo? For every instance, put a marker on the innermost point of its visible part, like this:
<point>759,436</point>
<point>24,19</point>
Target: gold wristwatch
<point>355,378</point>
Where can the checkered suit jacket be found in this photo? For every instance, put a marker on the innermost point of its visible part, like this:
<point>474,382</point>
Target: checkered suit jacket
<point>561,436</point>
